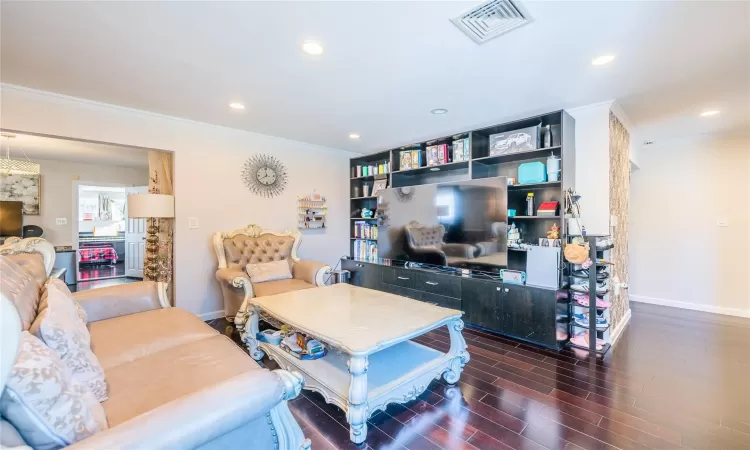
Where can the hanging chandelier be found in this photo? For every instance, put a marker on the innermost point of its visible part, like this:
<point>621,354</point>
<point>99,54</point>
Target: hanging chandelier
<point>16,166</point>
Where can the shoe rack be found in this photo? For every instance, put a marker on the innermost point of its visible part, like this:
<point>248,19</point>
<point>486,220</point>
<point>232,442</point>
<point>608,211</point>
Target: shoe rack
<point>599,256</point>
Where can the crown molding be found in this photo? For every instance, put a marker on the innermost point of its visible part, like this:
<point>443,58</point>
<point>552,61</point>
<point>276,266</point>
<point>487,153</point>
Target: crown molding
<point>62,98</point>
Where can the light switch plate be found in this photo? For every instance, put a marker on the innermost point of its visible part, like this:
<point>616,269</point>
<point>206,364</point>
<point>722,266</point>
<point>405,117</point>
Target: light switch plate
<point>723,222</point>
<point>61,221</point>
<point>193,223</point>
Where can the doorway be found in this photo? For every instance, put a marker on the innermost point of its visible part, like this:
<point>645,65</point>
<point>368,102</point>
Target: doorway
<point>110,245</point>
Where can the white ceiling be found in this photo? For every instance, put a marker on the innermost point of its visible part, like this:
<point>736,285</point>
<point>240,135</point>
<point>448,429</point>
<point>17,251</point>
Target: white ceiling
<point>46,148</point>
<point>386,64</point>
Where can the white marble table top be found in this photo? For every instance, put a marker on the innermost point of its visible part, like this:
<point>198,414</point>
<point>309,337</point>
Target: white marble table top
<point>356,320</point>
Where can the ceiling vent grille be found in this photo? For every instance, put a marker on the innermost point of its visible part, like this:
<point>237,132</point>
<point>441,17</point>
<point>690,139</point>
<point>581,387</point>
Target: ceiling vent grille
<point>491,19</point>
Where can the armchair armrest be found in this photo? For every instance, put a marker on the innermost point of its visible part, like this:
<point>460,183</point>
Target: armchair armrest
<point>115,301</point>
<point>313,272</point>
<point>203,416</point>
<point>427,255</point>
<point>460,250</point>
<point>235,278</point>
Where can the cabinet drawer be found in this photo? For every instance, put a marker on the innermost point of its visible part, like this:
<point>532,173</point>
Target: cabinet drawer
<point>439,300</point>
<point>398,277</point>
<point>444,285</point>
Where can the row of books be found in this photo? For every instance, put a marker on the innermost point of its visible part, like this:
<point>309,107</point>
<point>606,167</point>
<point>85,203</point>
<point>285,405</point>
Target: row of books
<point>436,155</point>
<point>365,250</point>
<point>365,230</point>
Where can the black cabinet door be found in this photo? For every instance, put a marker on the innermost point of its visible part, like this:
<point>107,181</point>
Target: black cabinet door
<point>362,274</point>
<point>529,313</point>
<point>482,305</point>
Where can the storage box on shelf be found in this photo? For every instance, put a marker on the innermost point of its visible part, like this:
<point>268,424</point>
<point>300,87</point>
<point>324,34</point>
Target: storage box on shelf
<point>598,272</point>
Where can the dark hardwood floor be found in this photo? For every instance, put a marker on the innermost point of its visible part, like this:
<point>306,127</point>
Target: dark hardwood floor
<point>675,379</point>
<point>89,272</point>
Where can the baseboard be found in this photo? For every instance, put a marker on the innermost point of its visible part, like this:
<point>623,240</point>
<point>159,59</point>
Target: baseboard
<point>211,315</point>
<point>620,327</point>
<point>737,312</point>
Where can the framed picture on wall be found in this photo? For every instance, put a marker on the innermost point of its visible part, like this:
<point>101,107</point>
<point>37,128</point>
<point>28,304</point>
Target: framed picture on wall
<point>22,188</point>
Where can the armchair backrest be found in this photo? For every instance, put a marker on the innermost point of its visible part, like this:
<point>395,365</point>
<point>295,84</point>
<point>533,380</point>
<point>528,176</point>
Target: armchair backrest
<point>253,244</point>
<point>419,236</point>
<point>36,255</point>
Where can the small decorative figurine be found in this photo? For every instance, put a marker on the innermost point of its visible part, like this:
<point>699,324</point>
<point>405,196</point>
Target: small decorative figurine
<point>554,232</point>
<point>367,213</point>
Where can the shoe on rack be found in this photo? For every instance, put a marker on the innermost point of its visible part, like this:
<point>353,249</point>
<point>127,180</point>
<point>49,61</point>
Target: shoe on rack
<point>583,300</point>
<point>601,288</point>
<point>584,273</point>
<point>582,319</point>
<point>582,340</point>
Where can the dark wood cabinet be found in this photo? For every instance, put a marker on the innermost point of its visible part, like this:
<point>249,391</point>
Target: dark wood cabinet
<point>519,311</point>
<point>529,313</point>
<point>399,277</point>
<point>362,274</point>
<point>482,303</point>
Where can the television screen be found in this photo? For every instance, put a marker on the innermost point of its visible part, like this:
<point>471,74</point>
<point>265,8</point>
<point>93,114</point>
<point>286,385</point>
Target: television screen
<point>459,224</point>
<point>11,218</point>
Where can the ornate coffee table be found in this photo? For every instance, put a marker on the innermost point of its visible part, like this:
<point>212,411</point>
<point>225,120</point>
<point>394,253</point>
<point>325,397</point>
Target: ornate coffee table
<point>371,360</point>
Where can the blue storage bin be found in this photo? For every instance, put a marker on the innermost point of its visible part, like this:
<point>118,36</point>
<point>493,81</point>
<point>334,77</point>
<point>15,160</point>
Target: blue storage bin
<point>533,172</point>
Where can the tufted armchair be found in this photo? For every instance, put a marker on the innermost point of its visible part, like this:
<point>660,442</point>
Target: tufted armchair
<point>237,249</point>
<point>425,244</point>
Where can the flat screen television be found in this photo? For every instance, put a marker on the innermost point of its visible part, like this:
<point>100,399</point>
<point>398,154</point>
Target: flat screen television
<point>11,219</point>
<point>458,224</point>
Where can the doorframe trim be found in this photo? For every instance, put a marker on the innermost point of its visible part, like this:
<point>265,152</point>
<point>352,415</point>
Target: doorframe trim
<point>76,186</point>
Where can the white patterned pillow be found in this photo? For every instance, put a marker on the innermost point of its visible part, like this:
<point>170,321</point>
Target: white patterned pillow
<point>60,327</point>
<point>270,271</point>
<point>56,283</point>
<point>42,401</point>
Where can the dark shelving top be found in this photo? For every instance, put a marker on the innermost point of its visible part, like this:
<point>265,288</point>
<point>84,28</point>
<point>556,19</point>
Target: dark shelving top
<point>437,168</point>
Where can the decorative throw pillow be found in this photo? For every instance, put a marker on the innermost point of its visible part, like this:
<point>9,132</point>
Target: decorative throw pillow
<point>60,327</point>
<point>56,283</point>
<point>270,271</point>
<point>41,400</point>
<point>20,288</point>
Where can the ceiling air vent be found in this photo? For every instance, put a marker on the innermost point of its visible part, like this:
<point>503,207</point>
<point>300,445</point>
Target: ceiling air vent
<point>491,19</point>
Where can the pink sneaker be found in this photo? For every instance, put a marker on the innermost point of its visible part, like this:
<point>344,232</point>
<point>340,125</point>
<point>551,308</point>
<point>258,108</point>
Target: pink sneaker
<point>583,300</point>
<point>582,340</point>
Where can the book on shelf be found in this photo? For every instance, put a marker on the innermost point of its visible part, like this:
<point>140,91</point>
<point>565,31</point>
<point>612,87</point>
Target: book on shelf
<point>365,249</point>
<point>458,150</point>
<point>547,209</point>
<point>432,155</point>
<point>365,230</point>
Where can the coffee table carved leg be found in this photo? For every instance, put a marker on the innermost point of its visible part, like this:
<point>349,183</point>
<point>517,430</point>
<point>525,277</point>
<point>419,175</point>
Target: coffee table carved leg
<point>250,332</point>
<point>357,410</point>
<point>457,352</point>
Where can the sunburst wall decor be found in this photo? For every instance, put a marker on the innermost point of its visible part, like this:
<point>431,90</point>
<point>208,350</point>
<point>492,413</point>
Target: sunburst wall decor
<point>264,175</point>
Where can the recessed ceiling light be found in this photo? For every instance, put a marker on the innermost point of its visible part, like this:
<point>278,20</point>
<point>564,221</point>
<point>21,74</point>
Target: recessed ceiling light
<point>602,60</point>
<point>711,112</point>
<point>312,48</point>
<point>236,105</point>
<point>439,111</point>
<point>353,136</point>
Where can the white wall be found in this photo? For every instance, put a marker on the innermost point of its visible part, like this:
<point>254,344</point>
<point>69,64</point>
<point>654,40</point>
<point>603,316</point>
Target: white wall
<point>592,165</point>
<point>678,255</point>
<point>57,192</point>
<point>208,164</point>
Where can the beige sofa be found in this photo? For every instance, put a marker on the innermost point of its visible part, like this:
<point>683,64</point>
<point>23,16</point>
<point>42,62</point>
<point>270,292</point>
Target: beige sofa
<point>238,248</point>
<point>174,382</point>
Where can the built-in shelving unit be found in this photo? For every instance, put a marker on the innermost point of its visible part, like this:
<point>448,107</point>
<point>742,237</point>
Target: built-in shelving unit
<point>481,164</point>
<point>360,196</point>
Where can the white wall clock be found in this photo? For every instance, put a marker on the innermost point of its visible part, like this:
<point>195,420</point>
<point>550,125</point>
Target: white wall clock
<point>264,175</point>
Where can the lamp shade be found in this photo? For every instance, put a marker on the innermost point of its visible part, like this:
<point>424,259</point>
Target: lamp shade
<point>150,205</point>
